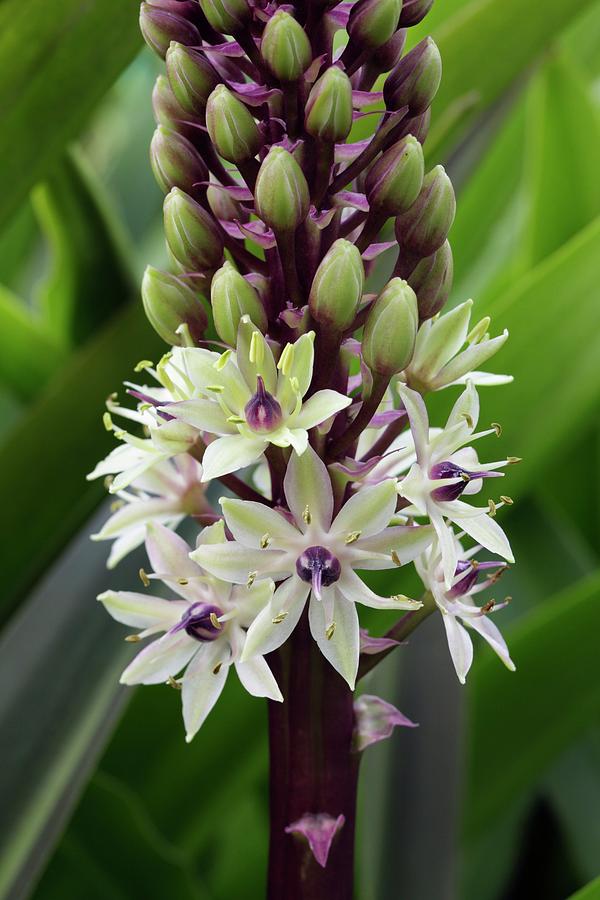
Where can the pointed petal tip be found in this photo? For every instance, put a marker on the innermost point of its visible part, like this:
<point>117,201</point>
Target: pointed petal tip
<point>318,830</point>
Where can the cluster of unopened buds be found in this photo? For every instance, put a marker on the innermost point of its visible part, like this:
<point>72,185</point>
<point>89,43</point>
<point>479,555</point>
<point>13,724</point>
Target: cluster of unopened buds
<point>286,379</point>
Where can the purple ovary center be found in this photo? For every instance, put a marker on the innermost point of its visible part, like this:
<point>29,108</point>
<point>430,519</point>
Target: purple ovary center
<point>318,567</point>
<point>449,469</point>
<point>199,622</point>
<point>263,412</point>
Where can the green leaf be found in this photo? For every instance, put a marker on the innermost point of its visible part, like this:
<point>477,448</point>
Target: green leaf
<point>553,317</point>
<point>542,709</point>
<point>487,45</point>
<point>90,276</point>
<point>590,892</point>
<point>44,460</point>
<point>28,355</point>
<point>561,165</point>
<point>57,61</point>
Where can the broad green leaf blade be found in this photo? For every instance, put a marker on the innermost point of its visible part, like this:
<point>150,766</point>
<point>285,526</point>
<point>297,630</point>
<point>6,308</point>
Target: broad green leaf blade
<point>60,661</point>
<point>90,276</point>
<point>520,724</point>
<point>44,460</point>
<point>553,316</point>
<point>28,355</point>
<point>487,45</point>
<point>590,892</point>
<point>561,166</point>
<point>57,59</point>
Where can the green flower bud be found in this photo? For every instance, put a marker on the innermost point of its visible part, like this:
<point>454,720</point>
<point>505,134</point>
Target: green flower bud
<point>232,129</point>
<point>191,233</point>
<point>395,180</point>
<point>232,297</point>
<point>424,227</point>
<point>337,286</point>
<point>191,77</point>
<point>285,47</point>
<point>169,303</point>
<point>329,107</point>
<point>227,16</point>
<point>281,193</point>
<point>391,329</point>
<point>416,79</point>
<point>175,161</point>
<point>160,26</point>
<point>431,280</point>
<point>373,22</point>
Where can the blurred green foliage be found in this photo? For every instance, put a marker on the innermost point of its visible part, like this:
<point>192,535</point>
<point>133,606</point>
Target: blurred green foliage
<point>517,121</point>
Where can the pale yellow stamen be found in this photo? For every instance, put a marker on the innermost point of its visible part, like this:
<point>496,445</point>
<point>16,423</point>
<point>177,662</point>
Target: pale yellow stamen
<point>330,631</point>
<point>144,578</point>
<point>278,619</point>
<point>265,541</point>
<point>306,515</point>
<point>143,364</point>
<point>352,537</point>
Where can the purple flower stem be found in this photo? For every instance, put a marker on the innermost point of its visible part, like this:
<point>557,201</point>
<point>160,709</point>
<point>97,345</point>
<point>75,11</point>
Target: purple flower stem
<point>313,770</point>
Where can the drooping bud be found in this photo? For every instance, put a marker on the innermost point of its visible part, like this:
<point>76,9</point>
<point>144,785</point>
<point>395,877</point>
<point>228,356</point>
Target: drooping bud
<point>232,297</point>
<point>431,280</point>
<point>232,129</point>
<point>191,234</point>
<point>394,182</point>
<point>391,329</point>
<point>285,47</point>
<point>337,286</point>
<point>424,227</point>
<point>159,27</point>
<point>415,80</point>
<point>414,11</point>
<point>263,412</point>
<point>373,22</point>
<point>329,107</point>
<point>169,303</point>
<point>191,76</point>
<point>281,193</point>
<point>227,16</point>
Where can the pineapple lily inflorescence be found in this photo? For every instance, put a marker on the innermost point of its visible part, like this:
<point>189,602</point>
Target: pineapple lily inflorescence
<point>301,390</point>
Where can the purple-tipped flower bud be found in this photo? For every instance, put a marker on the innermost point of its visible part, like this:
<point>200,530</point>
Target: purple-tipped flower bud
<point>232,129</point>
<point>175,161</point>
<point>167,110</point>
<point>285,47</point>
<point>416,79</point>
<point>418,126</point>
<point>191,76</point>
<point>159,27</point>
<point>169,304</point>
<point>232,297</point>
<point>389,54</point>
<point>424,227</point>
<point>414,11</point>
<point>227,16</point>
<point>191,233</point>
<point>223,205</point>
<point>391,329</point>
<point>373,22</point>
<point>337,286</point>
<point>395,180</point>
<point>329,107</point>
<point>263,412</point>
<point>431,280</point>
<point>281,193</point>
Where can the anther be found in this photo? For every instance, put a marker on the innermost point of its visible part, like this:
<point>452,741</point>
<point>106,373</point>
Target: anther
<point>492,508</point>
<point>278,619</point>
<point>306,515</point>
<point>512,460</point>
<point>133,638</point>
<point>352,537</point>
<point>107,421</point>
<point>488,607</point>
<point>508,500</point>
<point>143,364</point>
<point>182,581</point>
<point>497,428</point>
<point>330,631</point>
<point>265,541</point>
<point>214,621</point>
<point>116,505</point>
<point>217,668</point>
<point>251,579</point>
<point>144,578</point>
<point>173,683</point>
